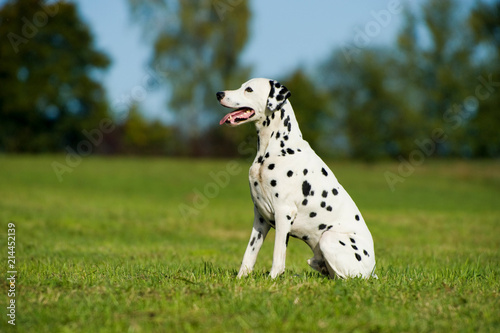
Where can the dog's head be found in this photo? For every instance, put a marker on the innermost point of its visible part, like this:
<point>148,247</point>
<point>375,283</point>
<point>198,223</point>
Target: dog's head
<point>252,101</point>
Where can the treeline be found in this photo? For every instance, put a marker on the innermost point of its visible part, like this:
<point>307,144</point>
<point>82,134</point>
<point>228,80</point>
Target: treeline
<point>436,90</point>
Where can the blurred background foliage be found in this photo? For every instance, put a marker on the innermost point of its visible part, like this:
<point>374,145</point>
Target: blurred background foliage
<point>442,74</point>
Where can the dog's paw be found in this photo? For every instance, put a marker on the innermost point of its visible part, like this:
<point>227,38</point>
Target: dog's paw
<point>243,273</point>
<point>276,272</point>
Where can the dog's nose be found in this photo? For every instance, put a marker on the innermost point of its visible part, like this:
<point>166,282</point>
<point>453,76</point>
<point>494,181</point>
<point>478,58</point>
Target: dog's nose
<point>220,95</point>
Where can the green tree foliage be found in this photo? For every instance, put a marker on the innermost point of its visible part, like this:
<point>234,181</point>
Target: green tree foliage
<point>441,73</point>
<point>439,85</point>
<point>198,45</point>
<point>313,111</point>
<point>365,101</point>
<point>484,21</point>
<point>140,137</point>
<point>48,77</point>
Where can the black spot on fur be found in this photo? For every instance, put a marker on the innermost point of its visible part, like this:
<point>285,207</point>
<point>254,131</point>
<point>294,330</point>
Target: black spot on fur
<point>282,114</point>
<point>335,192</point>
<point>323,204</point>
<point>289,127</point>
<point>322,226</point>
<point>306,188</point>
<point>271,166</point>
<point>305,237</point>
<point>282,144</point>
<point>323,171</point>
<point>304,202</point>
<point>272,134</point>
<point>259,235</point>
<point>354,247</point>
<point>267,155</point>
<point>287,238</point>
<point>290,151</point>
<point>342,243</point>
<point>356,217</point>
<point>253,241</point>
<point>329,227</point>
<point>280,97</point>
<point>283,152</point>
<point>366,253</point>
<point>273,182</point>
<point>288,217</point>
<point>313,214</point>
<point>277,135</point>
<point>271,93</point>
<point>289,173</point>
<point>324,194</point>
<point>329,208</point>
<point>260,160</point>
<point>357,256</point>
<point>352,240</point>
<point>255,184</point>
<point>276,195</point>
<point>305,172</point>
<point>285,137</point>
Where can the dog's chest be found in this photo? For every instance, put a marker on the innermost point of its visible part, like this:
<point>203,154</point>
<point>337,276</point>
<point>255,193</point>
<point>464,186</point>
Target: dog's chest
<point>261,188</point>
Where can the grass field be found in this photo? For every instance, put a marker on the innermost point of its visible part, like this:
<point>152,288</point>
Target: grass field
<point>108,249</point>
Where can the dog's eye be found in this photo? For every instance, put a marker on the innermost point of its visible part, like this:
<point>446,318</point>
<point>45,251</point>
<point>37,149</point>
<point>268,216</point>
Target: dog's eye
<point>248,89</point>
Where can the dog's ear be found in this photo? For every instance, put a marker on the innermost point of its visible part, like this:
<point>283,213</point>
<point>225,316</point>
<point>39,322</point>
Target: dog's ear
<point>277,96</point>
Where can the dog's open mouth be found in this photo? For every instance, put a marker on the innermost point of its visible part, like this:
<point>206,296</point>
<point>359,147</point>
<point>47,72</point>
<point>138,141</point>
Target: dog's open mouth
<point>236,117</point>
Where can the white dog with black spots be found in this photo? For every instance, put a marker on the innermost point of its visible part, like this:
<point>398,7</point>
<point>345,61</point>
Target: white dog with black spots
<point>294,191</point>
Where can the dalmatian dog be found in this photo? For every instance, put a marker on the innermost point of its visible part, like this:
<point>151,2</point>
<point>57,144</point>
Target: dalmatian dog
<point>294,191</point>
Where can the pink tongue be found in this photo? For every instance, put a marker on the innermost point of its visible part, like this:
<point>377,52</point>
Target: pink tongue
<point>223,120</point>
<point>234,114</point>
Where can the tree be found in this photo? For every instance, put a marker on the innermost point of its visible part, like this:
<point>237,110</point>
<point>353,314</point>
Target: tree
<point>484,21</point>
<point>312,108</point>
<point>49,77</point>
<point>435,65</point>
<point>198,46</point>
<point>367,108</point>
<point>391,100</point>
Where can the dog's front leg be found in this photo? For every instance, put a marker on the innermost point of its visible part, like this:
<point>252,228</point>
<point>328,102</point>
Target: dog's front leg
<point>259,233</point>
<point>283,226</point>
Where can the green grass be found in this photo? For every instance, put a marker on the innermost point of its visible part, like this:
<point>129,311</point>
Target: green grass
<point>108,250</point>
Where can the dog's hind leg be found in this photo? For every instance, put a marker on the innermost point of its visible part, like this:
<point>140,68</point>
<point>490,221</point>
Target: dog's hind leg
<point>347,255</point>
<point>318,262</point>
<point>259,232</point>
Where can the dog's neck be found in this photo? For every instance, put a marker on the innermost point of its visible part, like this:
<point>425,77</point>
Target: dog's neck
<point>277,131</point>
